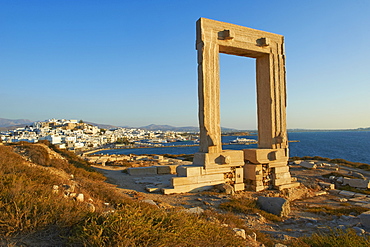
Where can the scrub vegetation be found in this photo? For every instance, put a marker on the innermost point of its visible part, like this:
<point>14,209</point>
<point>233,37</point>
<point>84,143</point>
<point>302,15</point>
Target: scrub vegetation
<point>34,213</point>
<point>29,206</point>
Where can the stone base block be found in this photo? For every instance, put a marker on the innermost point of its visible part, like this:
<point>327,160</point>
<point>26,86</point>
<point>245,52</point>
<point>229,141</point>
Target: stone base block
<point>253,171</point>
<point>211,178</point>
<point>167,169</point>
<point>264,156</point>
<point>226,158</point>
<point>287,186</point>
<point>239,187</point>
<point>189,171</point>
<point>151,170</point>
<point>190,187</point>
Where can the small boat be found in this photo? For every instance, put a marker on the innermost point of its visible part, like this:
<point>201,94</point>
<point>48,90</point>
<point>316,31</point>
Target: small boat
<point>243,141</point>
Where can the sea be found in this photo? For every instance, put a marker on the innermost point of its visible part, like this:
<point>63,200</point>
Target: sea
<point>349,145</point>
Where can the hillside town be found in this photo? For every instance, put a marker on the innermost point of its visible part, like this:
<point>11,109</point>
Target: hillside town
<point>77,135</point>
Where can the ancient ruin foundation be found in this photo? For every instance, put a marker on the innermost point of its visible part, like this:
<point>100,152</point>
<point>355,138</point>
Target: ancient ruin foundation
<point>255,169</point>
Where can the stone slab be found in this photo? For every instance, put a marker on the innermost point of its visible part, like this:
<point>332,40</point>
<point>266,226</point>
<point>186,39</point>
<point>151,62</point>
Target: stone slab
<point>308,165</point>
<point>134,171</point>
<point>347,193</point>
<point>288,186</point>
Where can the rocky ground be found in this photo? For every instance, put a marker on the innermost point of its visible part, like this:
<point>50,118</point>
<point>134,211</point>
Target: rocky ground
<point>298,223</point>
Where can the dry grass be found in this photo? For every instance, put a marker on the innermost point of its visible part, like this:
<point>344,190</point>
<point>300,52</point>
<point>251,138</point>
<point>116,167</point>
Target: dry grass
<point>338,211</point>
<point>28,207</point>
<point>335,238</point>
<point>247,206</point>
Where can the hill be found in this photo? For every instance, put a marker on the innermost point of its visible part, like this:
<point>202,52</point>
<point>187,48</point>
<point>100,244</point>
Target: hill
<point>154,127</point>
<point>51,197</point>
<point>4,122</point>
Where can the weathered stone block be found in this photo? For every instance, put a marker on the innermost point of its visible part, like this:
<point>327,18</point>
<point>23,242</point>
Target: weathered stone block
<point>284,175</point>
<point>281,169</point>
<point>239,187</point>
<point>357,183</point>
<point>219,159</point>
<point>308,165</point>
<point>164,170</point>
<point>274,205</point>
<point>263,156</point>
<point>189,171</point>
<point>253,171</point>
<point>134,171</point>
<point>282,181</point>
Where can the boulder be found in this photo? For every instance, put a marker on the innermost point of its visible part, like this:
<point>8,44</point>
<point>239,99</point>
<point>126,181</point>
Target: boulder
<point>227,188</point>
<point>365,219</point>
<point>274,205</point>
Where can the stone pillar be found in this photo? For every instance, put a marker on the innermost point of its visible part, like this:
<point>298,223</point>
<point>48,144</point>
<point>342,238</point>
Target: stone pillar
<point>209,97</point>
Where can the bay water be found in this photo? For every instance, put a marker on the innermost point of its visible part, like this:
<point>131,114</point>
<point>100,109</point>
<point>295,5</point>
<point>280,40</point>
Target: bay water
<point>349,145</point>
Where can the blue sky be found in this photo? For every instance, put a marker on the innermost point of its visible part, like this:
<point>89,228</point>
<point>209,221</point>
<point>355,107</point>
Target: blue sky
<point>133,63</point>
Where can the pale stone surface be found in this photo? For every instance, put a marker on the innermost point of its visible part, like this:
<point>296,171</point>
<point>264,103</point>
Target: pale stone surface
<point>260,156</point>
<point>275,205</point>
<point>196,210</point>
<point>150,170</point>
<point>214,37</point>
<point>308,165</point>
<point>80,197</point>
<point>240,232</point>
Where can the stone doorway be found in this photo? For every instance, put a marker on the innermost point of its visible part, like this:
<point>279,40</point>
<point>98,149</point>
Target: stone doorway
<point>255,169</point>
